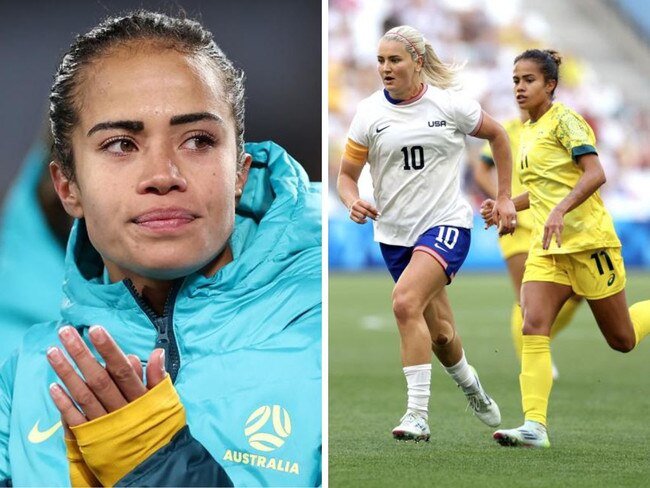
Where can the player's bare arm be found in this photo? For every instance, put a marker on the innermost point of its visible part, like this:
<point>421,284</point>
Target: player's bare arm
<point>592,179</point>
<point>505,213</point>
<point>348,189</point>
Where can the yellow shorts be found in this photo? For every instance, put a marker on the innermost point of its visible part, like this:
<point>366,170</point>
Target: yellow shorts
<point>517,243</point>
<point>593,274</point>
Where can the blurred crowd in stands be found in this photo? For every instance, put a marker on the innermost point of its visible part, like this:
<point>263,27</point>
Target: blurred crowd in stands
<point>486,35</point>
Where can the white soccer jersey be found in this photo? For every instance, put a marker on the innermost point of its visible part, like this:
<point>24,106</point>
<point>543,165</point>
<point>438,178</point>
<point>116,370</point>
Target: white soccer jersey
<point>414,152</point>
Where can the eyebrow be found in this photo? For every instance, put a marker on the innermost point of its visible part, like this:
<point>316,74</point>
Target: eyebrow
<point>195,117</point>
<point>138,126</point>
<point>129,125</point>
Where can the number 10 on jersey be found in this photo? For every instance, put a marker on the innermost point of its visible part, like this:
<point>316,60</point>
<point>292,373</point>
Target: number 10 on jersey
<point>413,157</point>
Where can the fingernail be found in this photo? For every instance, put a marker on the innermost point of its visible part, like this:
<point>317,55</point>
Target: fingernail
<point>162,361</point>
<point>55,389</point>
<point>54,355</point>
<point>98,334</point>
<point>65,333</point>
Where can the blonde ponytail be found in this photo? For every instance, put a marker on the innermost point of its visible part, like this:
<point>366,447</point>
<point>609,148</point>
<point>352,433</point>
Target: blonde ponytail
<point>434,71</point>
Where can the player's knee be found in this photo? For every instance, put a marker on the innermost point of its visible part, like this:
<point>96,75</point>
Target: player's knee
<point>535,326</point>
<point>535,320</point>
<point>621,343</point>
<point>404,307</point>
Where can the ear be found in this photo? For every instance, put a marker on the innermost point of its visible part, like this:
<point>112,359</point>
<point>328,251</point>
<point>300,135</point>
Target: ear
<point>550,86</point>
<point>242,175</point>
<point>419,63</point>
<point>68,191</point>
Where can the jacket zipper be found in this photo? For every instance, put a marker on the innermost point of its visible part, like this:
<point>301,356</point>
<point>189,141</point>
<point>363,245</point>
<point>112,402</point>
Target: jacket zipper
<point>164,325</point>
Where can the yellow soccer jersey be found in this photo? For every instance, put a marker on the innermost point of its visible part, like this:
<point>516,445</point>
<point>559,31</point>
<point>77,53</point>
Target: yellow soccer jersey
<point>513,128</point>
<point>547,168</point>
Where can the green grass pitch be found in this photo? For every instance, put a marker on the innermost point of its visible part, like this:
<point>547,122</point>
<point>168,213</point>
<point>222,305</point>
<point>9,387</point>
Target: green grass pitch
<point>599,412</point>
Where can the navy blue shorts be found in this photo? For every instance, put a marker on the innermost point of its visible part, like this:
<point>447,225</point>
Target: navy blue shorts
<point>446,244</point>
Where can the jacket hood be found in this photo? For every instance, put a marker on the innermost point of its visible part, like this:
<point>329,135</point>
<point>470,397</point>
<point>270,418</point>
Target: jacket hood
<point>276,239</point>
<point>31,258</point>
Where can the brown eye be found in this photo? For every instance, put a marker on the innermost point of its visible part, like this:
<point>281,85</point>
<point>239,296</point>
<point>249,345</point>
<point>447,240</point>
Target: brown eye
<point>199,142</point>
<point>119,146</point>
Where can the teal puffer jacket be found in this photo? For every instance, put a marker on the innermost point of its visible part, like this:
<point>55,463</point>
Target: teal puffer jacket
<point>243,348</point>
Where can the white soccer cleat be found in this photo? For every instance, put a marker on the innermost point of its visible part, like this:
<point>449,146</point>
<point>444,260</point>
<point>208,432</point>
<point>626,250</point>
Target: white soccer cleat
<point>481,404</point>
<point>412,427</point>
<point>531,434</point>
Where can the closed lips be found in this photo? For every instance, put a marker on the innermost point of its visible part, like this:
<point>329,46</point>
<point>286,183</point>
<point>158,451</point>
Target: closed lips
<point>158,215</point>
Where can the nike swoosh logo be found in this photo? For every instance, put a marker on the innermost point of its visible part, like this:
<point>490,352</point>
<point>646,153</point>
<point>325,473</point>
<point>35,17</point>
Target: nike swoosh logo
<point>435,244</point>
<point>37,436</point>
<point>383,128</point>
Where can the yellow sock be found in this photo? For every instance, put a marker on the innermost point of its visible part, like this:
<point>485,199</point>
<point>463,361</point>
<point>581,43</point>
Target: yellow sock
<point>516,323</point>
<point>536,377</point>
<point>563,318</point>
<point>640,315</point>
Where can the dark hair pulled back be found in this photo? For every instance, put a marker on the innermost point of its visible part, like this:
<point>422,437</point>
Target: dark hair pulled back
<point>548,61</point>
<point>184,35</point>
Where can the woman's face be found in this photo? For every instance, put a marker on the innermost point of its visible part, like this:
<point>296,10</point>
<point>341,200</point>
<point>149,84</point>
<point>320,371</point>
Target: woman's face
<point>155,162</point>
<point>531,91</point>
<point>397,70</point>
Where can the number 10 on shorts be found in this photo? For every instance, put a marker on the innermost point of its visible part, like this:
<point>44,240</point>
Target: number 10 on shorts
<point>447,236</point>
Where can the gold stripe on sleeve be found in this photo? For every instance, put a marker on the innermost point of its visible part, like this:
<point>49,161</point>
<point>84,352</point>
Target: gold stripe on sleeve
<point>355,152</point>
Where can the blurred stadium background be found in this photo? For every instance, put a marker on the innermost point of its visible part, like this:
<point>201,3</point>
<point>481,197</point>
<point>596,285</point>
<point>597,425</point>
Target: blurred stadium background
<point>604,76</point>
<point>598,408</point>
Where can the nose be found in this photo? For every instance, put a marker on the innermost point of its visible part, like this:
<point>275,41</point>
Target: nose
<point>161,175</point>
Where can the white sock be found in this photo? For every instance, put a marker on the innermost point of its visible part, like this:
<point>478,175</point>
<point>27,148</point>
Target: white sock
<point>418,382</point>
<point>461,373</point>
